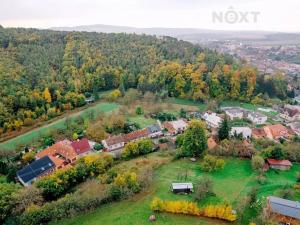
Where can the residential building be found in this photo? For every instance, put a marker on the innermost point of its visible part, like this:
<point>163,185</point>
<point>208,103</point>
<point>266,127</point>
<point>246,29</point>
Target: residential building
<point>154,131</point>
<point>245,131</point>
<point>182,188</point>
<point>276,131</point>
<point>295,127</point>
<point>279,164</point>
<point>35,170</point>
<point>212,120</point>
<point>258,133</point>
<point>136,135</point>
<point>290,113</point>
<point>234,113</point>
<point>62,149</point>
<point>257,118</point>
<point>82,147</point>
<point>283,211</point>
<point>114,142</point>
<point>175,127</point>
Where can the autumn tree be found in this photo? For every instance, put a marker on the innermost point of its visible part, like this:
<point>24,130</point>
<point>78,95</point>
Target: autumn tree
<point>47,95</point>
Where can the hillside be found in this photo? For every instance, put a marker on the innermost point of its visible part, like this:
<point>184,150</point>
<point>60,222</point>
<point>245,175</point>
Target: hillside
<point>44,73</point>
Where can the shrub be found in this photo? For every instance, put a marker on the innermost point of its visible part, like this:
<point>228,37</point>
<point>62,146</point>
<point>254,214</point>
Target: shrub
<point>60,182</point>
<point>134,149</point>
<point>224,212</point>
<point>204,188</point>
<point>257,163</point>
<point>211,163</point>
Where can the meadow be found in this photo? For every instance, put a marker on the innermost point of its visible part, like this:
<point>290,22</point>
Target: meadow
<point>37,133</point>
<point>231,185</point>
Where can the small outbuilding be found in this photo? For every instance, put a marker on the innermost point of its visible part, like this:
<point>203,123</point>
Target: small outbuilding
<point>279,164</point>
<point>182,188</point>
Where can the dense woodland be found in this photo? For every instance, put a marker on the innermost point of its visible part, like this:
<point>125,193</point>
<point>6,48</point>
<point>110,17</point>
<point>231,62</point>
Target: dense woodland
<point>43,73</point>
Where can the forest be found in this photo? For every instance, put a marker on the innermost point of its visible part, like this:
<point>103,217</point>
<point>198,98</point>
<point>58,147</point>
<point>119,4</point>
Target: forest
<point>44,73</point>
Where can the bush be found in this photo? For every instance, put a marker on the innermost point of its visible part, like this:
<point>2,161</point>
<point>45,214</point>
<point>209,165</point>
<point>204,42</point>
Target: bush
<point>257,163</point>
<point>134,149</point>
<point>204,188</point>
<point>211,163</point>
<point>60,182</point>
<point>224,212</point>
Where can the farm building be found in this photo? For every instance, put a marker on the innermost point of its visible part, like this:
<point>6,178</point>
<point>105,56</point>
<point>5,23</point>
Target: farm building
<point>283,211</point>
<point>279,164</point>
<point>182,188</point>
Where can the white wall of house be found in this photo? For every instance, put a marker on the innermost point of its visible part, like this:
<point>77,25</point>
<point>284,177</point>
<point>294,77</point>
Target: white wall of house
<point>245,131</point>
<point>257,119</point>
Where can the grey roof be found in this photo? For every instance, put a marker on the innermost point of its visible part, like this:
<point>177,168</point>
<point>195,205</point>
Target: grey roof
<point>35,169</point>
<point>256,114</point>
<point>154,128</point>
<point>179,186</point>
<point>285,207</point>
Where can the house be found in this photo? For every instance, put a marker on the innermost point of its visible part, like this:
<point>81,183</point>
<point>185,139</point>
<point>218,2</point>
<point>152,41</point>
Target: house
<point>62,149</point>
<point>245,131</point>
<point>258,133</point>
<point>114,142</point>
<point>175,127</point>
<point>276,131</point>
<point>257,118</point>
<point>290,113</point>
<point>282,210</point>
<point>154,131</point>
<point>35,170</point>
<point>279,164</point>
<point>234,113</point>
<point>182,188</point>
<point>211,143</point>
<point>82,147</point>
<point>136,135</point>
<point>212,120</point>
<point>295,127</point>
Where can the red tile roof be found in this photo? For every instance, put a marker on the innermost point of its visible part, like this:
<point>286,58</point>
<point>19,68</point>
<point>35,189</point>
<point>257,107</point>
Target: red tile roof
<point>115,140</point>
<point>276,162</point>
<point>136,135</point>
<point>62,148</point>
<point>81,146</point>
<point>258,133</point>
<point>277,131</point>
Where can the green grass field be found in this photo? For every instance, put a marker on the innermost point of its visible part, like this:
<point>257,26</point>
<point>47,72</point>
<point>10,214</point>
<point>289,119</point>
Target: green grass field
<point>201,106</point>
<point>141,120</point>
<point>35,134</point>
<point>230,184</point>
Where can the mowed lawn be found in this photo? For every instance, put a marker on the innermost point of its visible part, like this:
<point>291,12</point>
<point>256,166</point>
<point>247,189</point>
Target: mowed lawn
<point>141,120</point>
<point>35,134</point>
<point>230,185</point>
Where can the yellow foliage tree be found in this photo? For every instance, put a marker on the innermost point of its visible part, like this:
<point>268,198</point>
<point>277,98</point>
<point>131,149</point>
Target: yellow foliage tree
<point>47,95</point>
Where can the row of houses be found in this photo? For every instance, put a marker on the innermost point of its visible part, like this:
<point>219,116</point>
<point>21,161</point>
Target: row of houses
<point>153,131</point>
<point>60,155</point>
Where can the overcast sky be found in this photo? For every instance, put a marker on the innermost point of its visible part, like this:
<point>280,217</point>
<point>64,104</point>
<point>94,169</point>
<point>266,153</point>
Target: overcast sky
<point>272,15</point>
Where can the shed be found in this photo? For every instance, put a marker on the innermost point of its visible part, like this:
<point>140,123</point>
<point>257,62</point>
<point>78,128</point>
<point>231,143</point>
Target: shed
<point>283,210</point>
<point>182,188</point>
<point>279,164</point>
